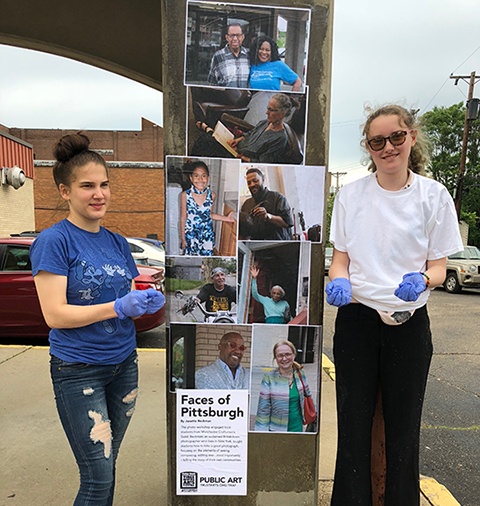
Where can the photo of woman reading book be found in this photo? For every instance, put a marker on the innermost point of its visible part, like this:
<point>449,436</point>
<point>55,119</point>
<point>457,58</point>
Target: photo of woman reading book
<point>265,143</point>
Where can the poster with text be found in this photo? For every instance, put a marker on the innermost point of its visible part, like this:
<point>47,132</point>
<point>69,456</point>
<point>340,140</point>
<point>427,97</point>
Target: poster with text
<point>212,428</point>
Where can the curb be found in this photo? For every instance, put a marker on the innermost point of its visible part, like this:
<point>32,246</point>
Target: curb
<point>328,366</point>
<point>435,493</point>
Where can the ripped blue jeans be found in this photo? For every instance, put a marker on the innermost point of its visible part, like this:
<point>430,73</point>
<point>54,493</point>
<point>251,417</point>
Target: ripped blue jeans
<point>95,404</point>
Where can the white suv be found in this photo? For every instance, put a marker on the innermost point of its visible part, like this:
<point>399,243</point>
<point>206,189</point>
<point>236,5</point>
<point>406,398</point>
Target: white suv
<point>463,270</point>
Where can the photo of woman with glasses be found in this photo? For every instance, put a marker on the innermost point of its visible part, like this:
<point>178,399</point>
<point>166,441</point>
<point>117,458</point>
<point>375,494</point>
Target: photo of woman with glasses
<point>282,393</point>
<point>267,70</point>
<point>265,143</point>
<point>392,231</point>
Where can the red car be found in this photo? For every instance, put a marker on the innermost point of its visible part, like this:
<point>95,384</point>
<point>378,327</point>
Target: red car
<point>20,314</point>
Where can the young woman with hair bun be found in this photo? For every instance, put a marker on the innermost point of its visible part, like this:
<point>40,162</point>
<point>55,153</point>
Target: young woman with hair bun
<point>84,278</point>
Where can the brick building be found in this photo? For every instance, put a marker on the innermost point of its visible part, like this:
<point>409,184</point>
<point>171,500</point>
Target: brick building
<point>16,204</point>
<point>135,160</point>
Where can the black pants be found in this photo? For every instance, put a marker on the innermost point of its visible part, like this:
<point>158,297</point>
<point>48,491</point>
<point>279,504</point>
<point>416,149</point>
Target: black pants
<point>370,354</point>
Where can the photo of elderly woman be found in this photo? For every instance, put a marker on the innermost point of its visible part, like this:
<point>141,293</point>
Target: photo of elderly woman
<point>267,70</point>
<point>201,206</point>
<point>253,126</point>
<point>276,309</point>
<point>265,142</point>
<point>273,281</point>
<point>283,360</point>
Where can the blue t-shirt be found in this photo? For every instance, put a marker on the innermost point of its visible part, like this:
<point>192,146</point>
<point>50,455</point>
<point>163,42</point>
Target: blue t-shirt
<point>99,268</point>
<point>268,75</point>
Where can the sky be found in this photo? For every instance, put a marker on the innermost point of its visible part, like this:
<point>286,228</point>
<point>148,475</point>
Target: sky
<point>382,53</point>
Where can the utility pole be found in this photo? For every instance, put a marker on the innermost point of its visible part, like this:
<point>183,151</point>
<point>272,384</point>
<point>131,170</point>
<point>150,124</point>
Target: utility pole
<point>337,176</point>
<point>466,130</point>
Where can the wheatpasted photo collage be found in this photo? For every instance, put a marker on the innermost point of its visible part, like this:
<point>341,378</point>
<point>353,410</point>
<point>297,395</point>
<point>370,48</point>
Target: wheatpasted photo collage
<point>242,212</point>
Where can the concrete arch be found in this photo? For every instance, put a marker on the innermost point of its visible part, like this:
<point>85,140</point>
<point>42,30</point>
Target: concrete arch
<point>120,36</point>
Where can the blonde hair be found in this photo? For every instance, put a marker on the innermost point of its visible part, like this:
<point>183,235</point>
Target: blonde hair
<point>420,153</point>
<point>285,342</point>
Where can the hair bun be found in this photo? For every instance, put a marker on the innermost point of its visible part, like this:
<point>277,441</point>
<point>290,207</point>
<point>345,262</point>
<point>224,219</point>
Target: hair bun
<point>70,145</point>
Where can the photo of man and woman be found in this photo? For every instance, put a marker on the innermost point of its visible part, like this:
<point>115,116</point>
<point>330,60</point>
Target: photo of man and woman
<point>246,46</point>
<point>278,365</point>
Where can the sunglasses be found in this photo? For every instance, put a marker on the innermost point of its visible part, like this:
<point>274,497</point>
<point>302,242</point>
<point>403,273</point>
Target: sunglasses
<point>395,139</point>
<point>234,346</point>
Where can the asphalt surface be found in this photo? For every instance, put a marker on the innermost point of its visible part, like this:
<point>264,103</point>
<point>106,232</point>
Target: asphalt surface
<point>450,440</point>
<point>450,434</point>
<point>37,467</point>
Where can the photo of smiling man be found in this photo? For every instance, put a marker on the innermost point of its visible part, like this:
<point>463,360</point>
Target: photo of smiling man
<point>230,66</point>
<point>266,215</point>
<point>226,372</point>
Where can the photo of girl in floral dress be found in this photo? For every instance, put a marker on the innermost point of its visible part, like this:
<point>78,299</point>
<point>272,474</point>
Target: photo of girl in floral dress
<point>196,218</point>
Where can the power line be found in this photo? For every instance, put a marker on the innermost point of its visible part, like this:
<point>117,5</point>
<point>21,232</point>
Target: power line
<point>466,59</point>
<point>337,176</point>
<point>440,89</point>
<point>347,122</point>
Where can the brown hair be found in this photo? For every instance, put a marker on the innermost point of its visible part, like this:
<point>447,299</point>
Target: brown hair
<point>72,151</point>
<point>420,153</point>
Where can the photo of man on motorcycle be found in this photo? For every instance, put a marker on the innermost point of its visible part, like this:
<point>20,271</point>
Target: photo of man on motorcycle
<point>216,300</point>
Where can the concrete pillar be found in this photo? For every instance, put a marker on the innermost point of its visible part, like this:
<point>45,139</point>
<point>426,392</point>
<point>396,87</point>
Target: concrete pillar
<point>282,468</point>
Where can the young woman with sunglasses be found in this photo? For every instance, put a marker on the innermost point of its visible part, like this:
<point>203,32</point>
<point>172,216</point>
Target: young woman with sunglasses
<point>392,232</point>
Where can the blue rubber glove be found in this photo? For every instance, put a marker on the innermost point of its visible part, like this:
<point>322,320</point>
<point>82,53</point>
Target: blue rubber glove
<point>132,305</point>
<point>411,287</point>
<point>156,300</point>
<point>339,292</point>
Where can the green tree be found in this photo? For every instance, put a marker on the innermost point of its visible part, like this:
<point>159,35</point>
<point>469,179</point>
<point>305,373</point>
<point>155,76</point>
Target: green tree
<point>328,219</point>
<point>444,127</point>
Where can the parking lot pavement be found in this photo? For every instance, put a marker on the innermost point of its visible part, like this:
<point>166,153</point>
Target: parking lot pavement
<point>38,468</point>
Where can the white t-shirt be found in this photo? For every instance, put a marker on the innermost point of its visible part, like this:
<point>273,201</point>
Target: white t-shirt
<point>387,234</point>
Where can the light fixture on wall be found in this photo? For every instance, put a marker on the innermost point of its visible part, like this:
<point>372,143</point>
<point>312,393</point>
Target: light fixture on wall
<point>14,177</point>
